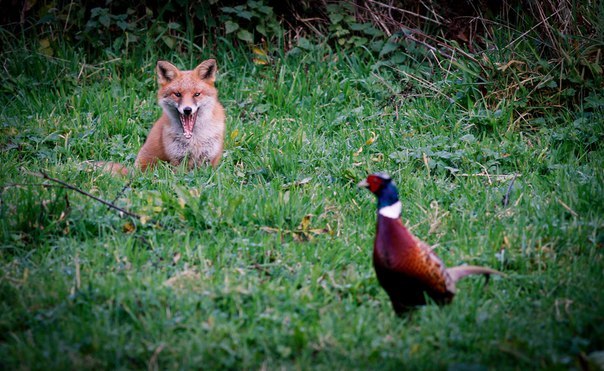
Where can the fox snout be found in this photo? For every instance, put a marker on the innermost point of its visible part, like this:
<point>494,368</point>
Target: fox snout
<point>187,110</point>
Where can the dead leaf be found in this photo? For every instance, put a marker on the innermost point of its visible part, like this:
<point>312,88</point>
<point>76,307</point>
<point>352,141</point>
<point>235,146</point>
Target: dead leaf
<point>372,139</point>
<point>503,67</point>
<point>183,279</point>
<point>269,229</point>
<point>261,56</point>
<point>261,62</point>
<point>128,227</point>
<point>45,48</point>
<point>305,223</point>
<point>258,51</point>
<point>297,183</point>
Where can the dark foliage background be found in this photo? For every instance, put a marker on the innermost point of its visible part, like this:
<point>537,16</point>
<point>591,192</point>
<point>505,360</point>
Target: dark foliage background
<point>540,54</point>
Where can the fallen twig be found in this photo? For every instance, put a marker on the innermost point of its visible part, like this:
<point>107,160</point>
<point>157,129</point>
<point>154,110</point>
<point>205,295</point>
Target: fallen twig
<point>120,193</point>
<point>43,175</point>
<point>573,212</point>
<point>24,185</point>
<point>499,177</point>
<point>486,172</point>
<point>506,198</point>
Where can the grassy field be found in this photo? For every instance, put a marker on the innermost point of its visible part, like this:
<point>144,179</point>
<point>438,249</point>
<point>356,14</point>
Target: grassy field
<point>265,262</point>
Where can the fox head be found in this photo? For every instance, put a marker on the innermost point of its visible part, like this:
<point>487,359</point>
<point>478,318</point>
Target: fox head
<point>185,94</point>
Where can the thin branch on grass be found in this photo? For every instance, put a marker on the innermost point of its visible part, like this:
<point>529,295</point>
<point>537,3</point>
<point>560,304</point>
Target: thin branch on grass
<point>506,198</point>
<point>152,364</point>
<point>310,23</point>
<point>442,44</point>
<point>486,172</point>
<point>379,21</point>
<point>430,9</point>
<point>97,67</point>
<point>432,87</point>
<point>120,193</point>
<point>573,212</point>
<point>499,177</point>
<point>404,11</point>
<point>23,185</point>
<point>43,175</point>
<point>531,29</point>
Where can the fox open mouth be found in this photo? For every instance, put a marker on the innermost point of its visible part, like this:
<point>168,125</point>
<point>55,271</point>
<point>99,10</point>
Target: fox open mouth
<point>188,123</point>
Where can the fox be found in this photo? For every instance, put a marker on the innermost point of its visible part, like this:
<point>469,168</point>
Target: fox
<point>192,123</point>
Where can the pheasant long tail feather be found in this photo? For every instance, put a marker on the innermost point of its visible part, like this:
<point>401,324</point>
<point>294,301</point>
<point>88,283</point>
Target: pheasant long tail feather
<point>457,273</point>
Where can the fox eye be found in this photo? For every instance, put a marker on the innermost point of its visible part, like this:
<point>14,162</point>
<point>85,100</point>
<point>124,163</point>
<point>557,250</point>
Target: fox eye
<point>196,95</point>
<point>178,95</point>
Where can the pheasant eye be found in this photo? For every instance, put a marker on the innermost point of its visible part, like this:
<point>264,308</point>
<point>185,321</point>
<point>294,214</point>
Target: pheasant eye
<point>196,95</point>
<point>178,94</point>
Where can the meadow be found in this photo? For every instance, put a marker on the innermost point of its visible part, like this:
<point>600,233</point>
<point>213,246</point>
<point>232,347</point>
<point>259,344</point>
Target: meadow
<point>265,261</point>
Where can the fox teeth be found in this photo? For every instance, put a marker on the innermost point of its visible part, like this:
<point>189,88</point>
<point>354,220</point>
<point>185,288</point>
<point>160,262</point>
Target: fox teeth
<point>188,124</point>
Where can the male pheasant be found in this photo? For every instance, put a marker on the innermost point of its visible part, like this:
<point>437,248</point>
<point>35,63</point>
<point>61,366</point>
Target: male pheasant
<point>406,267</point>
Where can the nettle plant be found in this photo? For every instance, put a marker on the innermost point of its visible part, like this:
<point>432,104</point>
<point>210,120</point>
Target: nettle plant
<point>348,31</point>
<point>123,29</point>
<point>249,19</point>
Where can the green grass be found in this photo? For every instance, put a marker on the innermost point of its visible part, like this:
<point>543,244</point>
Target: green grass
<point>227,275</point>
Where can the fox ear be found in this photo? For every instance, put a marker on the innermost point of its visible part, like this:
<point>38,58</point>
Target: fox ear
<point>207,70</point>
<point>166,72</point>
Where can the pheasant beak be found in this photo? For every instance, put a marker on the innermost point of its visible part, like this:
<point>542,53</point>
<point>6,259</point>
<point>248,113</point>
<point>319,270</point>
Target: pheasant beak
<point>363,184</point>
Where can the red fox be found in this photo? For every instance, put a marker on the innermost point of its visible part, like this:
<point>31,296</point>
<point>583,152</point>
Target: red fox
<point>192,124</point>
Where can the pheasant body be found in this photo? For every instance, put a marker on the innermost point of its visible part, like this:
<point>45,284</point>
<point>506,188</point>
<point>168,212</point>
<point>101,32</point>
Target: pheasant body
<point>405,266</point>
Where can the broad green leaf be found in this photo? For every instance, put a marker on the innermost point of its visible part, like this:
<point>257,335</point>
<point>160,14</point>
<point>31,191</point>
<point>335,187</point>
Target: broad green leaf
<point>230,27</point>
<point>245,36</point>
<point>170,42</point>
<point>245,14</point>
<point>304,43</point>
<point>261,29</point>
<point>388,48</point>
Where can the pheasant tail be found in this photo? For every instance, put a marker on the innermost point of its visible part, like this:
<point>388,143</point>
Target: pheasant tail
<point>457,273</point>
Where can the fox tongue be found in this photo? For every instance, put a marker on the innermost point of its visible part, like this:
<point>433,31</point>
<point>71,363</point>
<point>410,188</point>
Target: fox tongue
<point>188,123</point>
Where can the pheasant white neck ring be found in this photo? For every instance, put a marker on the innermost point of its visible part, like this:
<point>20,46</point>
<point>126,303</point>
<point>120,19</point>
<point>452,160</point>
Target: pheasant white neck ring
<point>391,211</point>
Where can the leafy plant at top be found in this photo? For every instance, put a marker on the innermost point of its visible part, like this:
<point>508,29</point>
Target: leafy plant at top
<point>102,25</point>
<point>347,31</point>
<point>250,19</point>
<point>402,53</point>
<point>99,29</point>
<point>539,59</point>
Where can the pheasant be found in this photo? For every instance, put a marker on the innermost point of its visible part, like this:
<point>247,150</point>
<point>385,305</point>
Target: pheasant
<point>406,267</point>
